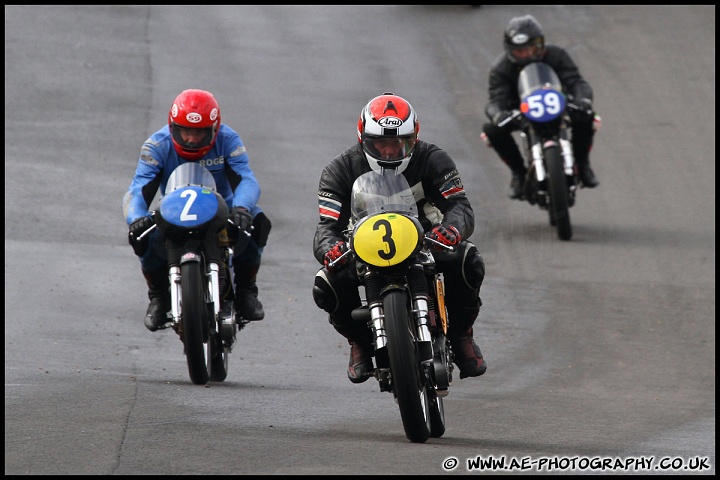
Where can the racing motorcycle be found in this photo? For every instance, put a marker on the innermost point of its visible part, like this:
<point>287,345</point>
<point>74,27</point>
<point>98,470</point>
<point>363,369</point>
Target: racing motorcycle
<point>552,179</point>
<point>404,304</point>
<point>193,219</point>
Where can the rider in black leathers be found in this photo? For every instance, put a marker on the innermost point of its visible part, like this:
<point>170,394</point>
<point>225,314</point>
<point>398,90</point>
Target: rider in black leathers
<point>444,211</point>
<point>524,42</point>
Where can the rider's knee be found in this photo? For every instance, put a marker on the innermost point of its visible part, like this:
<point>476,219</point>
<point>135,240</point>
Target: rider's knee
<point>473,267</point>
<point>324,294</point>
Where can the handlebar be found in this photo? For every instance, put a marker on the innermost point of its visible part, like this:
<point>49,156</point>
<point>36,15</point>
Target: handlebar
<point>337,260</point>
<point>246,232</point>
<point>576,107</point>
<point>152,215</point>
<point>146,232</point>
<point>515,114</point>
<point>446,247</point>
<point>426,240</point>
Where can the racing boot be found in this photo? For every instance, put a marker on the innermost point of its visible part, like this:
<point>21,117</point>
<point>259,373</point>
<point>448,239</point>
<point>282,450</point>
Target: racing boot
<point>585,173</point>
<point>467,354</point>
<point>517,184</point>
<point>510,154</point>
<point>587,176</point>
<point>159,295</point>
<point>247,305</point>
<point>360,367</point>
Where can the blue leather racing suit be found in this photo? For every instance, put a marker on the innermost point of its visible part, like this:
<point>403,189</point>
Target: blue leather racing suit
<point>229,164</point>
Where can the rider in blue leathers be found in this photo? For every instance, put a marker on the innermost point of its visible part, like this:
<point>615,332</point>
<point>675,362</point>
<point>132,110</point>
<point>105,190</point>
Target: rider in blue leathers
<point>195,134</point>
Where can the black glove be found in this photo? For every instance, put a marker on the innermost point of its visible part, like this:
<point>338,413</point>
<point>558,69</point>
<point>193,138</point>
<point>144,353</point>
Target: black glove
<point>446,235</point>
<point>333,254</point>
<point>137,228</point>
<point>584,110</point>
<point>504,116</point>
<point>241,218</point>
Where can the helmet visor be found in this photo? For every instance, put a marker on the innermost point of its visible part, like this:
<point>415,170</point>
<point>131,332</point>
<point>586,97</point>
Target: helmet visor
<point>192,138</point>
<point>528,52</point>
<point>389,149</point>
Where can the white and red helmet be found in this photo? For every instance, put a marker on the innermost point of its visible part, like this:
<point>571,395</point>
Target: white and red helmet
<point>388,118</point>
<point>194,110</point>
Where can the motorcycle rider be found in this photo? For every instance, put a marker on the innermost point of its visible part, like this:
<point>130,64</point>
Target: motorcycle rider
<point>387,134</point>
<point>194,133</point>
<point>524,43</point>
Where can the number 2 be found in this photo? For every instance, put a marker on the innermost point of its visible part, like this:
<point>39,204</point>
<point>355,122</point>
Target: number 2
<point>184,215</point>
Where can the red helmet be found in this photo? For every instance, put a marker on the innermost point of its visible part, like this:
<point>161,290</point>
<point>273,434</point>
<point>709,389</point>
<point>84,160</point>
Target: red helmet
<point>388,130</point>
<point>194,121</point>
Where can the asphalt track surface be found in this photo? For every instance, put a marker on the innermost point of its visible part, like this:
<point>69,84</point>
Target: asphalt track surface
<point>598,348</point>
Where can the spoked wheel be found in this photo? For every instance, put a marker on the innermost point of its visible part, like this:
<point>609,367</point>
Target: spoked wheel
<point>408,382</point>
<point>194,317</point>
<point>437,415</point>
<point>441,376</point>
<point>223,339</point>
<point>558,209</point>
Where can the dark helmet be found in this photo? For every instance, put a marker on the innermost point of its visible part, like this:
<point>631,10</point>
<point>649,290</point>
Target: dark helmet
<point>523,40</point>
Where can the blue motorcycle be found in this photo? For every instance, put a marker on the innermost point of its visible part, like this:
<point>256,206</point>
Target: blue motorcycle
<point>551,180</point>
<point>194,221</point>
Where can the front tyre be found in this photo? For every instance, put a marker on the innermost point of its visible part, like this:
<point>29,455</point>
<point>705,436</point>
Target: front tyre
<point>194,319</point>
<point>408,382</point>
<point>558,209</point>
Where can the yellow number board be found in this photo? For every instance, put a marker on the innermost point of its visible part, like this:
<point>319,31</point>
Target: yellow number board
<point>386,239</point>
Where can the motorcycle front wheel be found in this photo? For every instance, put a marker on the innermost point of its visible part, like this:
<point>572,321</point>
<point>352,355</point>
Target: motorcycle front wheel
<point>194,319</point>
<point>559,209</point>
<point>408,382</point>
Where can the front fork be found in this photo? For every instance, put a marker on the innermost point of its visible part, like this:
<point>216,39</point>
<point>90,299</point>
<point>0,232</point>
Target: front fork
<point>420,313</point>
<point>536,146</point>
<point>213,279</point>
<point>568,163</point>
<point>418,287</point>
<point>213,288</point>
<point>175,295</point>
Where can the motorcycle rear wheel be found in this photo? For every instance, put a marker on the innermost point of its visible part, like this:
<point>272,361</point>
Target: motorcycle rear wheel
<point>559,209</point>
<point>194,318</point>
<point>437,416</point>
<point>408,381</point>
<point>219,360</point>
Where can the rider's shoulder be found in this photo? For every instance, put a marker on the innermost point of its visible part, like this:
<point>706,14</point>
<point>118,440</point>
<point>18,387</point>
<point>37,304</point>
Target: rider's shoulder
<point>555,54</point>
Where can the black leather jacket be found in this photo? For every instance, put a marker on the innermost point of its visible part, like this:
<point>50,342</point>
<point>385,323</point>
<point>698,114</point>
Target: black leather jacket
<point>502,84</point>
<point>431,174</point>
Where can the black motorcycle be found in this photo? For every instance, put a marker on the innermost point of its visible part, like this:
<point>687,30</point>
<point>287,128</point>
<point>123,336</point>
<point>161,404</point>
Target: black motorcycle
<point>194,221</point>
<point>552,179</point>
<point>404,303</point>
